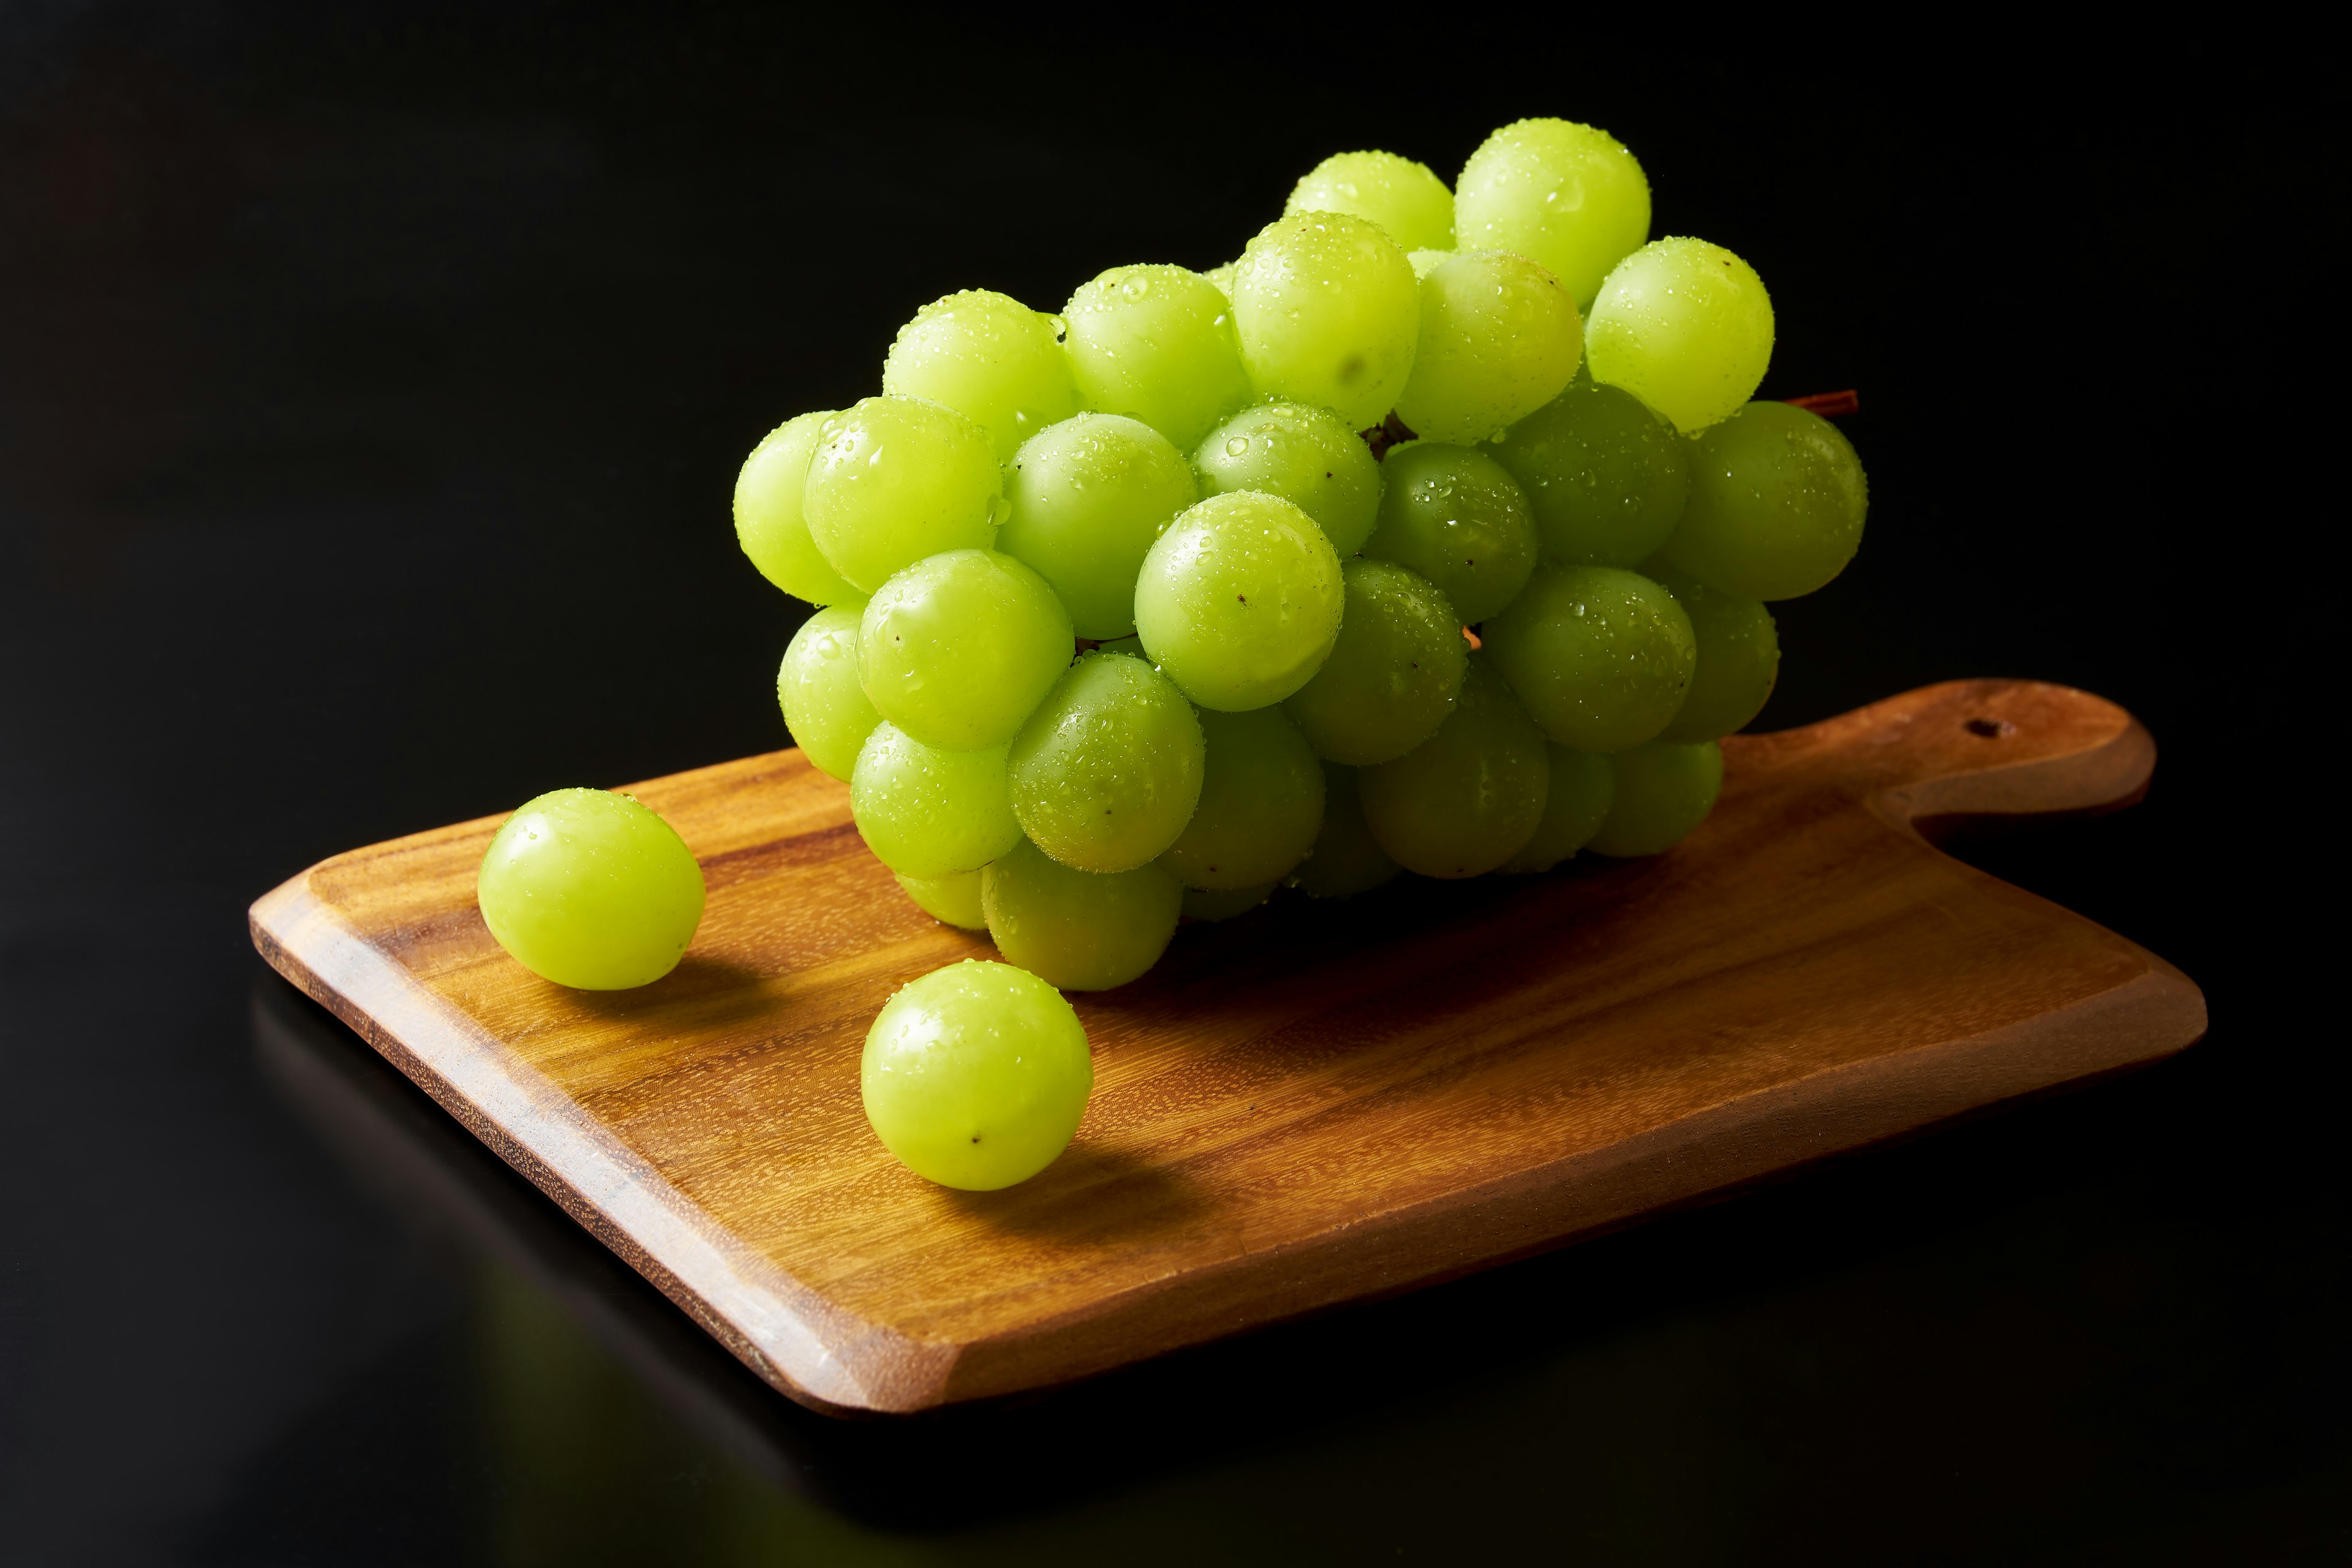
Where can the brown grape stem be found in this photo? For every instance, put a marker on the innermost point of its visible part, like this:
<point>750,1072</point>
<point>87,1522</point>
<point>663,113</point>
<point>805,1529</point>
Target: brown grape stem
<point>1828,404</point>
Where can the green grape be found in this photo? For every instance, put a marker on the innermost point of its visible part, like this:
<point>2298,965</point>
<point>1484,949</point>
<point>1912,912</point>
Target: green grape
<point>895,480</point>
<point>1083,931</point>
<point>825,707</point>
<point>1107,770</point>
<point>1400,196</point>
<point>1157,343</point>
<point>1738,657</point>
<point>976,1076</point>
<point>1304,454</point>
<point>1239,601</point>
<point>1665,790</point>
<point>1601,657</point>
<point>953,899</point>
<point>1089,496</point>
<point>1470,797</point>
<point>1221,279</point>
<point>958,649</point>
<point>1566,196</point>
<point>1777,504</point>
<point>1203,904</point>
<point>590,890</point>
<point>989,357</point>
<point>1347,859</point>
<point>1261,803</point>
<point>1607,477</point>
<point>1426,262</point>
<point>1393,674</point>
<point>1584,783</point>
<point>1685,327</point>
<point>1328,312</point>
<point>768,522</point>
<point>927,813</point>
<point>1499,339</point>
<point>1456,517</point>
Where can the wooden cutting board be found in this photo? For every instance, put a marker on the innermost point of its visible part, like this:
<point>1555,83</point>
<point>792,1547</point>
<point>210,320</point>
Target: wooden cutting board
<point>1314,1103</point>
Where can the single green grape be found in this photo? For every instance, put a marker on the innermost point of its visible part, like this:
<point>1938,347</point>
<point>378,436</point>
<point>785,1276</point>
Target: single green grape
<point>1089,495</point>
<point>1347,859</point>
<point>896,479</point>
<point>1221,279</point>
<point>1239,601</point>
<point>989,357</point>
<point>1584,783</point>
<point>953,899</point>
<point>1684,326</point>
<point>824,705</point>
<point>976,1076</point>
<point>768,522</point>
<point>1499,339</point>
<point>1566,196</point>
<point>1107,770</point>
<point>1304,454</point>
<point>1328,312</point>
<point>1456,517</point>
<point>1205,904</point>
<point>1468,798</point>
<point>1738,657</point>
<point>1426,262</point>
<point>1261,803</point>
<point>1777,504</point>
<point>1663,792</point>
<point>590,890</point>
<point>1393,673</point>
<point>1606,476</point>
<point>1157,343</point>
<point>958,649</point>
<point>1403,197</point>
<point>928,812</point>
<point>1601,657</point>
<point>1083,931</point>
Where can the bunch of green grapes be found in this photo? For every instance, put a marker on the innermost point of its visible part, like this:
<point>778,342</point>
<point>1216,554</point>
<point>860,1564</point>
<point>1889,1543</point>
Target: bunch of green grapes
<point>1433,533</point>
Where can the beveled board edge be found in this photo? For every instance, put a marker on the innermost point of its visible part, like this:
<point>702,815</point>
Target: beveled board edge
<point>806,1347</point>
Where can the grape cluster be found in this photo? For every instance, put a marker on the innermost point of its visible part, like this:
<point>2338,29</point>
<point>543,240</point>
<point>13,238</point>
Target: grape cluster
<point>1435,533</point>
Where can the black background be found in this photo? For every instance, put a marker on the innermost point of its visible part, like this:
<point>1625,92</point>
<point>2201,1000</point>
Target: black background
<point>371,381</point>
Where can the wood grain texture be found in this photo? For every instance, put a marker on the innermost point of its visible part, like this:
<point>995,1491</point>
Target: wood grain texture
<point>1312,1104</point>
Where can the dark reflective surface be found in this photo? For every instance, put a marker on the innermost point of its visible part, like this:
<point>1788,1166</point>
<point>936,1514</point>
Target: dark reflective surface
<point>370,383</point>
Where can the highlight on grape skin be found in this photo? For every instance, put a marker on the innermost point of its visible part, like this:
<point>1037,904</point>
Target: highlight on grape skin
<point>590,890</point>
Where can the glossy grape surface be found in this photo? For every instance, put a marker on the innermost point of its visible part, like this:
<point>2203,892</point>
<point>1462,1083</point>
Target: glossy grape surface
<point>1347,859</point>
<point>989,357</point>
<point>1304,454</point>
<point>895,480</point>
<point>957,649</point>
<point>1499,338</point>
<point>1393,673</point>
<point>1684,326</point>
<point>1107,770</point>
<point>1777,500</point>
<point>953,899</point>
<point>1406,199</point>
<point>1470,797</point>
<point>1082,931</point>
<point>590,890</point>
<point>769,522</point>
<point>817,686</point>
<point>1607,477</point>
<point>1584,783</point>
<point>1566,196</point>
<point>1601,657</point>
<point>926,812</point>
<point>1663,792</point>
<point>976,1076</point>
<point>1328,312</point>
<point>1738,657</point>
<point>1157,343</point>
<point>1456,517</point>
<point>1088,498</point>
<point>1239,601</point>
<point>1261,803</point>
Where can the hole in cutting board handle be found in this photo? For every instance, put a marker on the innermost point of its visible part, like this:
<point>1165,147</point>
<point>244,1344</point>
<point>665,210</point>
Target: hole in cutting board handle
<point>1992,728</point>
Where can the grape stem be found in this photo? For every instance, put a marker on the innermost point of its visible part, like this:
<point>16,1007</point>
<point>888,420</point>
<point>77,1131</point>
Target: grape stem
<point>1389,431</point>
<point>1828,404</point>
